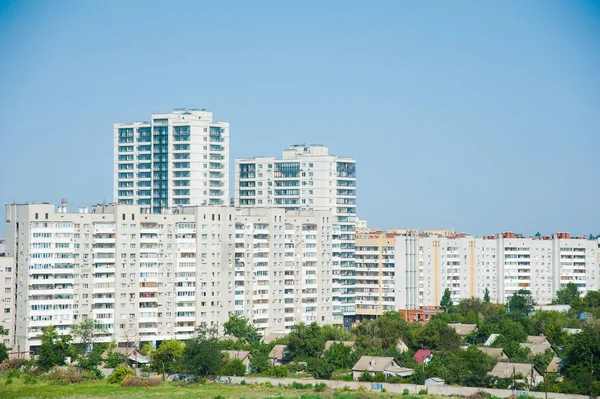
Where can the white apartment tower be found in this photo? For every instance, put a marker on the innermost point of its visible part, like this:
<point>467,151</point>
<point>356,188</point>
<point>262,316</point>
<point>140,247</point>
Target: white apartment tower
<point>308,177</point>
<point>179,158</point>
<point>150,277</point>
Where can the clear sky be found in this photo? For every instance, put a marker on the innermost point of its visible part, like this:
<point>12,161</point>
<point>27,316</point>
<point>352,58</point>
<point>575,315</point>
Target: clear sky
<point>475,115</point>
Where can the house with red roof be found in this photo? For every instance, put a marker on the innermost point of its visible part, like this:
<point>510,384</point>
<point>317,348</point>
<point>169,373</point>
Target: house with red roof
<point>423,356</point>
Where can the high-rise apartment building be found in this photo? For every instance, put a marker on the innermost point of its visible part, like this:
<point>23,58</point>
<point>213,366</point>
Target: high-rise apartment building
<point>179,158</point>
<point>150,277</point>
<point>308,177</point>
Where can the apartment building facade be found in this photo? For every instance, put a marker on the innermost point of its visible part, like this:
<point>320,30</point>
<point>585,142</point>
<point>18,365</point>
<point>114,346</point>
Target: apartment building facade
<point>308,177</point>
<point>177,158</point>
<point>149,277</point>
<point>502,264</point>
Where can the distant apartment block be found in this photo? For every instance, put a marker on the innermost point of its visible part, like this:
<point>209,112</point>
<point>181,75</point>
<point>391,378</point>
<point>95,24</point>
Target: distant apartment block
<point>178,158</point>
<point>151,277</point>
<point>308,177</point>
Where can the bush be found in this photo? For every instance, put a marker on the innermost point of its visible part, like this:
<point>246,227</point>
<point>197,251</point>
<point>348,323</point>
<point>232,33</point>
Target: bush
<point>219,397</point>
<point>405,392</point>
<point>320,387</point>
<point>29,379</point>
<point>63,376</point>
<point>11,364</point>
<point>281,371</point>
<point>423,392</point>
<point>299,385</point>
<point>133,381</point>
<point>243,382</point>
<point>268,384</point>
<point>119,374</point>
<point>92,375</point>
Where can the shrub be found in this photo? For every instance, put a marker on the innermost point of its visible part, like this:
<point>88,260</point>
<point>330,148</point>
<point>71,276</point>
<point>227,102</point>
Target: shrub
<point>133,381</point>
<point>219,397</point>
<point>320,387</point>
<point>11,364</point>
<point>29,379</point>
<point>268,384</point>
<point>299,385</point>
<point>119,374</point>
<point>423,392</point>
<point>281,371</point>
<point>92,375</point>
<point>405,392</point>
<point>243,382</point>
<point>63,376</point>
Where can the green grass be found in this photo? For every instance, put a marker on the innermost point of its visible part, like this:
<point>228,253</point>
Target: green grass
<point>102,389</point>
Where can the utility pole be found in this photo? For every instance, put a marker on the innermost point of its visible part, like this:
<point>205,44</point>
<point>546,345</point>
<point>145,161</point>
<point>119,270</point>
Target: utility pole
<point>545,384</point>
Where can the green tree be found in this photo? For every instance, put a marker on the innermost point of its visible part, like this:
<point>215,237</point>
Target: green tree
<point>437,335</point>
<point>581,364</point>
<point>521,303</point>
<point>202,356</point>
<point>339,356</point>
<point>322,370</point>
<point>516,353</point>
<point>166,357</point>
<point>542,360</point>
<point>234,367</point>
<point>54,349</point>
<point>242,329</point>
<point>446,302</point>
<point>565,295</point>
<point>305,341</point>
<point>260,362</point>
<point>486,296</point>
<point>85,335</point>
<point>3,352</point>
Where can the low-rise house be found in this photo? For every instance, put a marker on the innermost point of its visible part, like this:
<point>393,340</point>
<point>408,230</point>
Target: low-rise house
<point>491,339</point>
<point>130,354</point>
<point>572,331</point>
<point>421,315</point>
<point>538,339</point>
<point>434,382</point>
<point>243,356</point>
<point>521,372</point>
<point>273,336</point>
<point>349,344</point>
<point>554,365</point>
<point>376,364</point>
<point>401,346</point>
<point>278,355</point>
<point>463,329</point>
<point>536,349</point>
<point>423,356</point>
<point>497,353</point>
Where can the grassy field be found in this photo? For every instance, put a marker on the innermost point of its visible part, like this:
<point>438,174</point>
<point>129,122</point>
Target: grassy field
<point>102,389</point>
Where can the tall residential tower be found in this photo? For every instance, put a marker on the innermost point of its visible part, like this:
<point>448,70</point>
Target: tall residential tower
<point>179,158</point>
<point>307,177</point>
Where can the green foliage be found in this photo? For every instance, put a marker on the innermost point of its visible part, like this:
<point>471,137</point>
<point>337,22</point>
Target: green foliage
<point>234,367</point>
<point>85,334</point>
<point>29,379</point>
<point>166,357</point>
<point>3,352</point>
<point>437,335</point>
<point>339,356</point>
<point>202,356</point>
<point>54,349</point>
<point>581,363</point>
<point>565,295</point>
<point>305,341</point>
<point>119,374</point>
<point>320,387</point>
<point>260,362</point>
<point>542,360</point>
<point>242,329</point>
<point>384,333</point>
<point>63,376</point>
<point>516,353</point>
<point>322,370</point>
<point>521,303</point>
<point>113,359</point>
<point>446,301</point>
<point>486,296</point>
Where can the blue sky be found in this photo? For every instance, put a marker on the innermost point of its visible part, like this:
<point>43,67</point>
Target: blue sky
<point>478,116</point>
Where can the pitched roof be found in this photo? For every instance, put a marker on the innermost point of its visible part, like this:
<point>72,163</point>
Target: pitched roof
<point>422,354</point>
<point>505,370</point>
<point>491,339</point>
<point>536,349</point>
<point>131,353</point>
<point>349,344</point>
<point>463,329</point>
<point>537,339</point>
<point>273,336</point>
<point>375,364</point>
<point>572,331</point>
<point>278,352</point>
<point>494,352</point>
<point>554,365</point>
<point>237,355</point>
